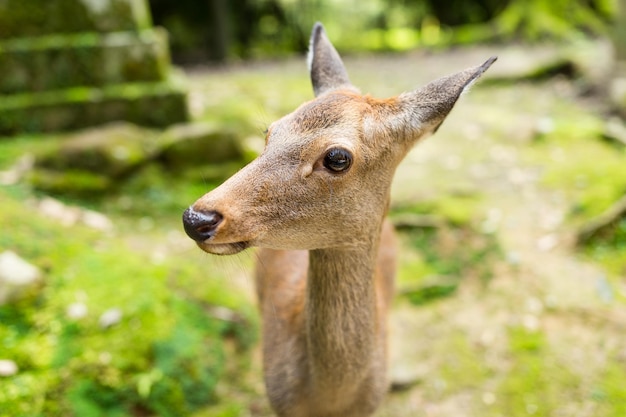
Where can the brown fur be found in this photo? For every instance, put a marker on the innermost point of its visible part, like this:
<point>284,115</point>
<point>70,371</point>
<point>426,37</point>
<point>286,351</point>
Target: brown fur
<point>327,258</point>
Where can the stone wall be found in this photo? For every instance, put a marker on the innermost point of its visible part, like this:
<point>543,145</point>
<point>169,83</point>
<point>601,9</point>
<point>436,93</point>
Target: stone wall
<point>66,64</point>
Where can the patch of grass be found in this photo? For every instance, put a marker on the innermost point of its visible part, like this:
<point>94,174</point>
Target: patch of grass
<point>536,383</point>
<point>13,148</point>
<point>166,354</point>
<point>464,363</point>
<point>437,260</point>
<point>540,383</point>
<point>576,160</point>
<point>609,393</point>
<point>458,209</point>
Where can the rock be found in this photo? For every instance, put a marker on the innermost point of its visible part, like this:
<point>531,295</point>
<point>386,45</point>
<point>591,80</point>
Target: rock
<point>70,64</point>
<point>7,368</point>
<point>110,151</point>
<point>617,94</point>
<point>110,318</point>
<point>70,215</point>
<point>76,311</point>
<point>17,277</point>
<point>199,143</point>
<point>93,159</point>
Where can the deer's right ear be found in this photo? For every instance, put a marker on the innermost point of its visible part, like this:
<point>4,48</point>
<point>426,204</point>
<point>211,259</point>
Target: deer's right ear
<point>325,66</point>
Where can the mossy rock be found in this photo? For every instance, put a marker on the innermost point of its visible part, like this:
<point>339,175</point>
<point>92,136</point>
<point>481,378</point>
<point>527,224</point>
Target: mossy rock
<point>20,18</point>
<point>199,143</point>
<point>86,59</point>
<point>112,150</point>
<point>96,159</point>
<point>150,104</point>
<point>92,160</point>
<point>74,182</point>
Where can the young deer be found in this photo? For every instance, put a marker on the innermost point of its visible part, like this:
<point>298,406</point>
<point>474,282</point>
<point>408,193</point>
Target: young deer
<point>315,203</point>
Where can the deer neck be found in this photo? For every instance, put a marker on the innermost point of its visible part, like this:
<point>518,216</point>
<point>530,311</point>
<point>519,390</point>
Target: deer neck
<point>341,318</point>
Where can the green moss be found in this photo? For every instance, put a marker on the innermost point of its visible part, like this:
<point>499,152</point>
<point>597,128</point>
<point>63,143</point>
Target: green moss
<point>86,59</point>
<point>430,292</point>
<point>413,267</point>
<point>189,145</point>
<point>12,149</point>
<point>537,383</point>
<point>464,364</point>
<point>35,18</point>
<point>569,156</point>
<point>164,356</point>
<point>69,181</point>
<point>458,209</point>
<point>149,104</point>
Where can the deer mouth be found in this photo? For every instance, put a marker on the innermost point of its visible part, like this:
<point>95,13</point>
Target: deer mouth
<point>223,248</point>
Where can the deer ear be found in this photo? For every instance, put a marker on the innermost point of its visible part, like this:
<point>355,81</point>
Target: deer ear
<point>425,109</point>
<point>325,66</point>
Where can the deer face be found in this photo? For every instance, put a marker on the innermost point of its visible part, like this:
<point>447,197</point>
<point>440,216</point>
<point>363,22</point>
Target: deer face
<point>320,176</point>
<point>323,179</point>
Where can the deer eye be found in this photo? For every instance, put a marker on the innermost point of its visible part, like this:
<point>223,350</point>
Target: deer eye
<point>338,160</point>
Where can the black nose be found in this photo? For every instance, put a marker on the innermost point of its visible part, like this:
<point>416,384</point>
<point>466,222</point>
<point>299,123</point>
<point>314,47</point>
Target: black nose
<point>200,225</point>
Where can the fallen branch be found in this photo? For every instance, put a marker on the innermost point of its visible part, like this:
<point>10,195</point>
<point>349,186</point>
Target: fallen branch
<point>409,221</point>
<point>603,222</point>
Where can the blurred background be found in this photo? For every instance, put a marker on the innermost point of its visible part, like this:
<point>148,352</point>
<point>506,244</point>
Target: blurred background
<point>222,30</point>
<point>115,115</point>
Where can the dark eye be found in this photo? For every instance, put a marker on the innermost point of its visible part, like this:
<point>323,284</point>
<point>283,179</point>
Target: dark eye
<point>338,160</point>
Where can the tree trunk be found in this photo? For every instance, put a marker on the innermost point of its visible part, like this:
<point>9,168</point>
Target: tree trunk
<point>619,33</point>
<point>219,31</point>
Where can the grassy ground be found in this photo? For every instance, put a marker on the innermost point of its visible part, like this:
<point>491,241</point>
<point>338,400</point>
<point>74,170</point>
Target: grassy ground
<point>497,313</point>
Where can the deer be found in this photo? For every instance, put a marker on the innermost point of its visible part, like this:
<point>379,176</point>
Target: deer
<point>315,204</point>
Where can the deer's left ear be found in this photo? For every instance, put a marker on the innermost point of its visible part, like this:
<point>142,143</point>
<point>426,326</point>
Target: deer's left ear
<point>325,66</point>
<point>422,111</point>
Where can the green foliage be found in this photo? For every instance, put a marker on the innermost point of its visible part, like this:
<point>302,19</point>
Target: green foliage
<point>538,19</point>
<point>262,28</point>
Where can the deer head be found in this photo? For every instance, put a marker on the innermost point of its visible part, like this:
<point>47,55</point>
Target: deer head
<point>324,177</point>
